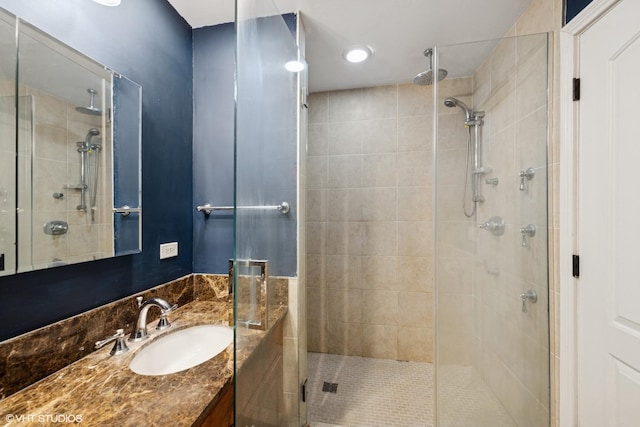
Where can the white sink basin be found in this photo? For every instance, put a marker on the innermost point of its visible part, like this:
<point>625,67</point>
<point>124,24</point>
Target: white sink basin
<point>181,350</point>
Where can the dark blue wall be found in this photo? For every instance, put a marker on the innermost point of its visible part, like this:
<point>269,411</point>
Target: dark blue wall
<point>148,42</point>
<point>213,76</point>
<point>573,7</point>
<point>272,175</point>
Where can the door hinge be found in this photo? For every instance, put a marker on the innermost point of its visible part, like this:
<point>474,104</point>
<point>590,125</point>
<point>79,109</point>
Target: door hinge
<point>576,266</point>
<point>576,89</point>
<point>304,390</point>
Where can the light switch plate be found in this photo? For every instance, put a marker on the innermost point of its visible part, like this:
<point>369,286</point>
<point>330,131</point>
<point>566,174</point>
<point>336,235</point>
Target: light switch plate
<point>168,250</point>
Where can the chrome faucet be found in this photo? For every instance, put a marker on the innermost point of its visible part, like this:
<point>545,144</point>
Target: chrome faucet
<point>140,333</point>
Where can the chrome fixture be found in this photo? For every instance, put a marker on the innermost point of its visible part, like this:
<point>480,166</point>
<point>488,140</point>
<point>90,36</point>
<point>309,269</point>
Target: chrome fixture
<point>473,122</point>
<point>126,210</point>
<point>425,78</point>
<point>140,332</point>
<point>91,109</point>
<point>528,231</point>
<point>207,208</point>
<point>58,196</point>
<point>531,296</point>
<point>495,225</point>
<point>56,228</point>
<point>119,347</point>
<point>528,174</point>
<point>89,171</point>
<point>492,181</point>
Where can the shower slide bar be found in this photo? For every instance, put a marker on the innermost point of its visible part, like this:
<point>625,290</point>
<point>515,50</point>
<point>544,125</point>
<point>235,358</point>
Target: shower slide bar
<point>283,208</point>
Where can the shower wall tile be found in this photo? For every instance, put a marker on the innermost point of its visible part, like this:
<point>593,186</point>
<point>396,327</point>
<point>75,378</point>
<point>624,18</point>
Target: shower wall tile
<point>318,108</point>
<point>415,100</point>
<point>415,204</point>
<point>344,171</point>
<point>379,203</point>
<point>379,273</point>
<point>415,169</point>
<point>380,136</point>
<point>416,309</point>
<point>318,139</point>
<point>380,307</point>
<point>415,133</point>
<point>380,341</point>
<point>345,105</point>
<point>380,102</point>
<point>344,272</point>
<point>316,205</point>
<point>415,274</point>
<point>415,238</point>
<point>415,344</point>
<point>379,238</point>
<point>344,138</point>
<point>344,204</point>
<point>379,170</point>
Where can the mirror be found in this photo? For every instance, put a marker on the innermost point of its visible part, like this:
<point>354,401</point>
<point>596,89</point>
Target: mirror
<point>71,136</point>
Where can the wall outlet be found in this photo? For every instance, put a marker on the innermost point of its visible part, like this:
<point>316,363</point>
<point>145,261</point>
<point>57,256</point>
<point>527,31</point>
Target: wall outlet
<point>168,250</point>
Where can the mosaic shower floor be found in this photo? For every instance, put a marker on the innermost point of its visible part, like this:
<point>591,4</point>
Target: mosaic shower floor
<point>389,393</point>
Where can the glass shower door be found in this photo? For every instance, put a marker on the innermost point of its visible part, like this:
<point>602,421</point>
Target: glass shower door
<point>492,325</point>
<point>264,268</point>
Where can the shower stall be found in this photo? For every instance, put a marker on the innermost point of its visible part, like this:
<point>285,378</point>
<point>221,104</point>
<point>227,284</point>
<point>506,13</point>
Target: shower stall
<point>427,243</point>
<point>415,252</point>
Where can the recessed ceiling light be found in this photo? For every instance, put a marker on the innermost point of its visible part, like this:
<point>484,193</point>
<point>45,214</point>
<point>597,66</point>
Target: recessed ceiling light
<point>357,54</point>
<point>108,2</point>
<point>294,66</point>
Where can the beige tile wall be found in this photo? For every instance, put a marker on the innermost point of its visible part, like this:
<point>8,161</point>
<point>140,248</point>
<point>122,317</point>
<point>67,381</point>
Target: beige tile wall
<point>511,347</point>
<point>51,132</point>
<point>546,16</point>
<point>370,222</point>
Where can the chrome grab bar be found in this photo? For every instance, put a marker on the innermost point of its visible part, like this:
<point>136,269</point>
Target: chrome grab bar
<point>283,208</point>
<point>126,210</point>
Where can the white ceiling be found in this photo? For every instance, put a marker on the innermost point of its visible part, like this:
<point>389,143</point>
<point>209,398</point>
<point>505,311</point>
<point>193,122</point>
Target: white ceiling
<point>397,30</point>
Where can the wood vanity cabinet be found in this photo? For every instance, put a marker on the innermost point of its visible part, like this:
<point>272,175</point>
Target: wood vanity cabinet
<point>221,415</point>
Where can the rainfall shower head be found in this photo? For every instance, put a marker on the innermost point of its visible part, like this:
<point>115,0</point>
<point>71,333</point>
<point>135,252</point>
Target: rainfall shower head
<point>91,109</point>
<point>453,102</point>
<point>425,78</point>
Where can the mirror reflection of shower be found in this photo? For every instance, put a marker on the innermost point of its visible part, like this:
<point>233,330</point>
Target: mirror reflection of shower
<point>89,165</point>
<point>473,122</point>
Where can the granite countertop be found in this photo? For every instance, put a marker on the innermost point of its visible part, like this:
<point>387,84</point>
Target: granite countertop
<point>102,390</point>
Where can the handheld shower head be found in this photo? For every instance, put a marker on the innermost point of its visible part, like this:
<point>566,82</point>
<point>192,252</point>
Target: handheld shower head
<point>454,102</point>
<point>92,132</point>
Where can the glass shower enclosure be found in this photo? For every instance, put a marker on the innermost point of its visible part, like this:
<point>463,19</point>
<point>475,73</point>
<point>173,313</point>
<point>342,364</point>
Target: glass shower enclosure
<point>491,267</point>
<point>265,265</point>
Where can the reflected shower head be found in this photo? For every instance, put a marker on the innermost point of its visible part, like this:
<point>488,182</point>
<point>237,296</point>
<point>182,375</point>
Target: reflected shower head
<point>453,102</point>
<point>425,78</point>
<point>91,109</point>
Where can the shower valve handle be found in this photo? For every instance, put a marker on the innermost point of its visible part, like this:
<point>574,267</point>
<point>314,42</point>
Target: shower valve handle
<point>528,174</point>
<point>495,225</point>
<point>528,231</point>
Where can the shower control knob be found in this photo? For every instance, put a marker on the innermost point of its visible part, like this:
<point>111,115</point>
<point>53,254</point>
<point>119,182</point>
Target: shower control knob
<point>526,174</point>
<point>531,295</point>
<point>528,231</point>
<point>495,225</point>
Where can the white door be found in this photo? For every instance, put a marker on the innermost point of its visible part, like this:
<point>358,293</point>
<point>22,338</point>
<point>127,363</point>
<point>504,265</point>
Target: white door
<point>609,220</point>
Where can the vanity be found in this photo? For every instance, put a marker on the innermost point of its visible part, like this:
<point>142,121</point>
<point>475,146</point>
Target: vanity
<point>101,389</point>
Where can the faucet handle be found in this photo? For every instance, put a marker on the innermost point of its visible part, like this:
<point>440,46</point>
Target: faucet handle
<point>119,347</point>
<point>139,301</point>
<point>163,323</point>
